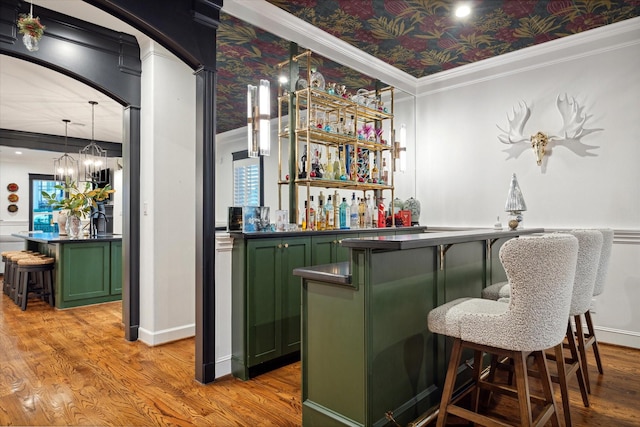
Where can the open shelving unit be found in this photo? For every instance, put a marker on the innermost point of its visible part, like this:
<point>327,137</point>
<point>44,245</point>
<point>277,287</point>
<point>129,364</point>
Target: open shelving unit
<point>325,124</point>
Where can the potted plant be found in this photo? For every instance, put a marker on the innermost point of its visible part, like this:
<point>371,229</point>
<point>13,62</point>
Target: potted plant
<point>78,203</point>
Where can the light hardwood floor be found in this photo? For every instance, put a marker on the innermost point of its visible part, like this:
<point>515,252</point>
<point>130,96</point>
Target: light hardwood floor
<point>73,367</point>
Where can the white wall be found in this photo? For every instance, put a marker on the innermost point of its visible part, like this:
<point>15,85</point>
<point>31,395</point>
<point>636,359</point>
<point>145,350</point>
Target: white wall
<point>167,188</point>
<point>466,171</point>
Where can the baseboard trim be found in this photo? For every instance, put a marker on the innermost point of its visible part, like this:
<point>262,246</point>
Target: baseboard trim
<point>165,336</point>
<point>618,337</point>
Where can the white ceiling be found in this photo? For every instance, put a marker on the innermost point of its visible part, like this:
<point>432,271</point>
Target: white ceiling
<point>36,99</point>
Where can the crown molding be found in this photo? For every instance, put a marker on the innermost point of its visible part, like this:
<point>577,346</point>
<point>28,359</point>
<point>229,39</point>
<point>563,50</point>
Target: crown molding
<point>588,43</point>
<point>282,24</point>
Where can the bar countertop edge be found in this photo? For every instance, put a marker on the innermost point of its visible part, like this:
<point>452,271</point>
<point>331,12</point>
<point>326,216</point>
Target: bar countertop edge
<point>413,241</point>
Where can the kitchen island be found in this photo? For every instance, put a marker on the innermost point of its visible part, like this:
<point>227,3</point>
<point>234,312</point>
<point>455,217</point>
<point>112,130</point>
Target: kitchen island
<point>87,270</point>
<point>367,354</point>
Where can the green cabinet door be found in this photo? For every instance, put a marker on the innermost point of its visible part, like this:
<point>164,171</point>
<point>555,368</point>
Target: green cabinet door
<point>327,249</point>
<point>264,265</point>
<point>85,273</point>
<point>273,297</point>
<point>116,268</point>
<point>296,252</point>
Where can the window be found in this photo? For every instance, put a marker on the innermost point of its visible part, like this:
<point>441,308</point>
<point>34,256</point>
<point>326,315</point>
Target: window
<point>247,180</point>
<point>41,214</point>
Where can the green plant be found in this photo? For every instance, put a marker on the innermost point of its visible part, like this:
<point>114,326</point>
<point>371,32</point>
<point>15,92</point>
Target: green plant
<point>78,202</point>
<point>27,24</point>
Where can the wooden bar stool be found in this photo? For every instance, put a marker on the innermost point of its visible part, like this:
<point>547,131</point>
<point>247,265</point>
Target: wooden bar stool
<point>536,266</point>
<point>10,283</point>
<point>41,269</point>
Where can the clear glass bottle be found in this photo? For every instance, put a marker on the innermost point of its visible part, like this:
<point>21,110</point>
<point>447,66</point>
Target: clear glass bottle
<point>353,210</point>
<point>361,213</point>
<point>329,214</point>
<point>311,224</point>
<point>321,218</point>
<point>385,171</point>
<point>375,173</point>
<point>345,214</point>
<point>329,173</point>
<point>368,214</point>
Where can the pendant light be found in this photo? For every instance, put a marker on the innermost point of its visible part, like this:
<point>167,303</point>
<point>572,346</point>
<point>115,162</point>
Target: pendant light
<point>65,167</point>
<point>92,157</point>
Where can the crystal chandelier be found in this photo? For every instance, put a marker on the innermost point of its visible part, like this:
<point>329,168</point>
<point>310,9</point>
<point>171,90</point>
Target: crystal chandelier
<point>93,157</point>
<point>65,167</point>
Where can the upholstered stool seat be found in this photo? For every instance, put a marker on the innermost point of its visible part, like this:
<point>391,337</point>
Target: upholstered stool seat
<point>541,272</point>
<point>41,271</point>
<point>496,291</point>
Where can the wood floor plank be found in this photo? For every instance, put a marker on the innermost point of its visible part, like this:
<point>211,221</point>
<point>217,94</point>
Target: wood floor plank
<point>74,367</point>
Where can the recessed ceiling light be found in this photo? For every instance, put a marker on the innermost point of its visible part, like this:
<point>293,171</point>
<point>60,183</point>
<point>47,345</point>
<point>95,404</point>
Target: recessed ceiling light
<point>18,152</point>
<point>463,11</point>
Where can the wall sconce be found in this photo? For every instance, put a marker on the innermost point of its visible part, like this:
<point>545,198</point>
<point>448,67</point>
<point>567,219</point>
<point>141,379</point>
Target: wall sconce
<point>400,150</point>
<point>538,143</point>
<point>258,119</point>
<point>515,204</point>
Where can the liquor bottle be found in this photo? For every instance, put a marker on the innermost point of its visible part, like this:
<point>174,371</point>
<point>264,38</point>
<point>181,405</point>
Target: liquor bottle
<point>382,217</point>
<point>321,218</point>
<point>311,224</point>
<point>361,213</point>
<point>368,214</point>
<point>385,171</point>
<point>336,210</point>
<point>344,214</point>
<point>353,210</point>
<point>321,198</point>
<point>329,173</point>
<point>304,216</point>
<point>329,214</point>
<point>342,169</point>
<point>375,174</point>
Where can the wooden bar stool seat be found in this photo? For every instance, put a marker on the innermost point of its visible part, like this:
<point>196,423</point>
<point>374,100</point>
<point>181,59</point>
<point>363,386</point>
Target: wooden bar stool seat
<point>41,271</point>
<point>9,277</point>
<point>536,266</point>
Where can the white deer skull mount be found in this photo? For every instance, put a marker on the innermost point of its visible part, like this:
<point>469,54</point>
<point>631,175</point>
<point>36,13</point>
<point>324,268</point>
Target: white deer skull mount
<point>570,134</point>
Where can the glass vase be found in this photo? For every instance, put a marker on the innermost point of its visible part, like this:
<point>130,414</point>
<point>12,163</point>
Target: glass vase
<point>74,226</point>
<point>30,42</point>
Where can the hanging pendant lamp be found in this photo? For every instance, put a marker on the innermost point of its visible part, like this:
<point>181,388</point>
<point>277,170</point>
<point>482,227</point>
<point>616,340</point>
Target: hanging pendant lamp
<point>92,157</point>
<point>65,167</point>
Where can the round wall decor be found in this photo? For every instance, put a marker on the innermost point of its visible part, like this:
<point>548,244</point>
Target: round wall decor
<point>13,197</point>
<point>12,208</point>
<point>12,187</point>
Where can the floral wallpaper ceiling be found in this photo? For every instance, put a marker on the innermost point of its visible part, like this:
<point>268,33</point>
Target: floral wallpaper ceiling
<point>419,37</point>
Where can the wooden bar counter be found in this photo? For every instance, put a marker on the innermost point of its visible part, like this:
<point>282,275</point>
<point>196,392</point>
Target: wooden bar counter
<point>367,354</point>
<point>88,270</point>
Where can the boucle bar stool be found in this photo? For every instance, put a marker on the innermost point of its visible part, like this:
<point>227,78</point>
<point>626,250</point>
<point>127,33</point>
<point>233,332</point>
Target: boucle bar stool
<point>537,267</point>
<point>589,250</point>
<point>589,337</point>
<point>42,285</point>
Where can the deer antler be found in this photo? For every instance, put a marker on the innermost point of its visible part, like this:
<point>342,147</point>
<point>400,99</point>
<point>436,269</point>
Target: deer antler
<point>516,125</point>
<point>572,118</point>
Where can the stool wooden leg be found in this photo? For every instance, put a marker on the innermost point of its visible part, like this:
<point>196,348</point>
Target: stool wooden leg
<point>547,389</point>
<point>522,386</point>
<point>449,382</point>
<point>48,277</point>
<point>582,350</point>
<point>477,371</point>
<point>592,335</point>
<point>576,357</point>
<point>23,290</point>
<point>562,381</point>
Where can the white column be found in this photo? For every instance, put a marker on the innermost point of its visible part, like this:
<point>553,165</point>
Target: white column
<point>167,247</point>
